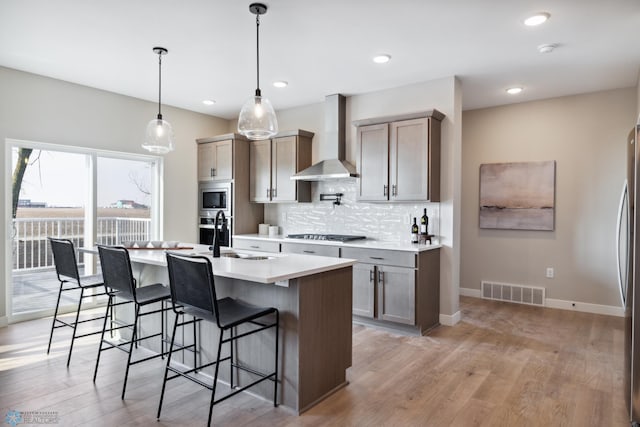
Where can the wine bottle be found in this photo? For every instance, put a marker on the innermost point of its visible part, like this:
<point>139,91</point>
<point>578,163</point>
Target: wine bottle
<point>414,231</point>
<point>424,223</point>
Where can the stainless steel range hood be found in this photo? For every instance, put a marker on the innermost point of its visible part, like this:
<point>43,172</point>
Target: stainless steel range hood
<point>334,166</point>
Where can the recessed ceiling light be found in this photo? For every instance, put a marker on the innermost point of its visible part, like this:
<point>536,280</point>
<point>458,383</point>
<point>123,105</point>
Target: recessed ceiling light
<point>381,59</point>
<point>280,83</point>
<point>547,48</point>
<point>208,102</point>
<point>514,90</point>
<point>537,19</point>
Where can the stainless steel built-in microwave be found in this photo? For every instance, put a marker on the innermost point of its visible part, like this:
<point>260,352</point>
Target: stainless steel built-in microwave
<point>214,197</point>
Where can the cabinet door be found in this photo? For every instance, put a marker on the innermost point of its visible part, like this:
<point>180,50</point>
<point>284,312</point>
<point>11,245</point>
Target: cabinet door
<point>223,158</point>
<point>396,294</point>
<point>206,161</point>
<point>409,160</point>
<point>373,162</point>
<point>283,165</point>
<point>364,290</point>
<point>260,171</point>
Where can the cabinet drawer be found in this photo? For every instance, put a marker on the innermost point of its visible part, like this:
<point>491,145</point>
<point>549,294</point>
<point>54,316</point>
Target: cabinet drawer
<point>307,249</point>
<point>381,256</point>
<point>256,245</point>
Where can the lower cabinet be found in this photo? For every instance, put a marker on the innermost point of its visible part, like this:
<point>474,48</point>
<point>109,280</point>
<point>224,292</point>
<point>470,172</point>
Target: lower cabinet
<point>384,292</point>
<point>364,290</point>
<point>397,294</point>
<point>396,287</point>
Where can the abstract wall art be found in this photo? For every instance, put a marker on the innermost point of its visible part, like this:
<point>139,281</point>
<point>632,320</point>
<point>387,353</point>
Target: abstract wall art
<point>518,196</point>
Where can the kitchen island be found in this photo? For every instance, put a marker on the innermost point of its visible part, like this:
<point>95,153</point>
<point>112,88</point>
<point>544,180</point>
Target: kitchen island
<point>314,297</point>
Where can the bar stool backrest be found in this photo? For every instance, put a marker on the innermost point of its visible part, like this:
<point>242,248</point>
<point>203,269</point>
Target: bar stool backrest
<point>116,270</point>
<point>191,283</point>
<point>64,258</point>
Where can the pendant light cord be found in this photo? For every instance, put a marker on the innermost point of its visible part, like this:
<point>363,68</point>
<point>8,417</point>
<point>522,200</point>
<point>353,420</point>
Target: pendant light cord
<point>159,85</point>
<point>258,54</point>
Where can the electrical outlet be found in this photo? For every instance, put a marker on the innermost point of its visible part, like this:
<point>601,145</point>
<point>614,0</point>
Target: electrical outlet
<point>550,273</point>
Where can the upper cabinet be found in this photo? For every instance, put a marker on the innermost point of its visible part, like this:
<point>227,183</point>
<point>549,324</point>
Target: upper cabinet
<point>215,159</point>
<point>273,162</point>
<point>399,157</point>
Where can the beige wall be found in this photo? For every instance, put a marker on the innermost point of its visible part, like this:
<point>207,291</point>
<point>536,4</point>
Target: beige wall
<point>585,135</point>
<point>41,109</point>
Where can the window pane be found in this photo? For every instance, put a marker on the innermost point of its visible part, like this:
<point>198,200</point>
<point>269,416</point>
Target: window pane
<point>124,200</point>
<point>50,203</point>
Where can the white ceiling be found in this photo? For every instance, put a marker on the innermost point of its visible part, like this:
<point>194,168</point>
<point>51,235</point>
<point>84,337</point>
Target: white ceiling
<point>323,47</point>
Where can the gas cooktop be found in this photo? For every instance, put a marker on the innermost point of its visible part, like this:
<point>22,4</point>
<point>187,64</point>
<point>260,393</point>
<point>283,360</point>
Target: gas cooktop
<point>332,237</point>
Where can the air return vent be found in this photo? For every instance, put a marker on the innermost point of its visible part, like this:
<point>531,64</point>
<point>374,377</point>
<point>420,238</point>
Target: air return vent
<point>531,295</point>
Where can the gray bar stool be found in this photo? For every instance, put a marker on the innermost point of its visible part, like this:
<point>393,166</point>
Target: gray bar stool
<point>64,258</point>
<point>193,293</point>
<point>119,282</point>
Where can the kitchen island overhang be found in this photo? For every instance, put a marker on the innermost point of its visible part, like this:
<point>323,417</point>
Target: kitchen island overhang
<point>314,297</point>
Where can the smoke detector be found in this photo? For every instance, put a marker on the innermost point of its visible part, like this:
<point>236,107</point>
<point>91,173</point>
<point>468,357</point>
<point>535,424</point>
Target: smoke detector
<point>547,48</point>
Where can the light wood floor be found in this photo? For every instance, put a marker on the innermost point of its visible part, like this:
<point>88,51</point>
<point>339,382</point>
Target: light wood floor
<point>502,365</point>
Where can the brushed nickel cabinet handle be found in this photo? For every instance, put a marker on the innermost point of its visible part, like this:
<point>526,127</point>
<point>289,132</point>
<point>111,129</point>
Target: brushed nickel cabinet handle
<point>371,275</point>
<point>380,276</point>
<point>309,252</point>
<point>376,257</point>
<point>394,190</point>
<point>274,192</point>
<point>254,247</point>
<point>384,191</point>
<point>268,192</point>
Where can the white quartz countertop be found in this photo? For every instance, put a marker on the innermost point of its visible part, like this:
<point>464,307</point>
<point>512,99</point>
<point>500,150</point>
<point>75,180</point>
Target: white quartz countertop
<point>364,243</point>
<point>278,267</point>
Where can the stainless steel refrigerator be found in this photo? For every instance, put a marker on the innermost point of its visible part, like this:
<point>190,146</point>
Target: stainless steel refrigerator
<point>628,252</point>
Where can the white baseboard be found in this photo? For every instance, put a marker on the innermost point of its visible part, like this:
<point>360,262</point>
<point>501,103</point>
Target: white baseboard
<point>467,292</point>
<point>4,321</point>
<point>584,307</point>
<point>450,320</point>
<point>562,304</point>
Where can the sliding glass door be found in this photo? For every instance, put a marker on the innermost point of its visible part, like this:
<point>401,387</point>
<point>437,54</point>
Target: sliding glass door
<point>86,196</point>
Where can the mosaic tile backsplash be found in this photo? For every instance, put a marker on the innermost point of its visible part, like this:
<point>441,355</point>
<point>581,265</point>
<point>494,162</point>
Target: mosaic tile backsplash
<point>381,221</point>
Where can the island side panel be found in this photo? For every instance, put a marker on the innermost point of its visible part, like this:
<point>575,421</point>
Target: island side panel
<point>325,333</point>
<point>428,290</point>
<point>257,351</point>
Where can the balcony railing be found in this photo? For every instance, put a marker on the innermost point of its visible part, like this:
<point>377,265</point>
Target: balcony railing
<point>31,249</point>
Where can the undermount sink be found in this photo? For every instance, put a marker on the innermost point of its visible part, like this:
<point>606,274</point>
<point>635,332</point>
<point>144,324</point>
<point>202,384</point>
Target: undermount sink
<point>245,256</point>
<point>250,257</point>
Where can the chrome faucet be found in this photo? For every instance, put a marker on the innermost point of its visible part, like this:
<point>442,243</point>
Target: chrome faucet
<point>216,233</point>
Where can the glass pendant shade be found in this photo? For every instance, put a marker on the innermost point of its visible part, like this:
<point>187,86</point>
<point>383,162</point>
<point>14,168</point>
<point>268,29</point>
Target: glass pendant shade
<point>257,119</point>
<point>159,137</point>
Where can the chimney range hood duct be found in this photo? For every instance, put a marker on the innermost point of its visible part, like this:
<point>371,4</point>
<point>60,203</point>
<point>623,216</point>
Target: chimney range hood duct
<point>334,166</point>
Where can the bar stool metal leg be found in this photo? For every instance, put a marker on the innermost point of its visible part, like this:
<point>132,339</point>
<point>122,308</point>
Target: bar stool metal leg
<point>215,378</point>
<point>55,316</point>
<point>75,326</point>
<point>195,344</point>
<point>166,369</point>
<point>134,335</point>
<point>232,359</point>
<point>108,314</point>
<point>275,379</point>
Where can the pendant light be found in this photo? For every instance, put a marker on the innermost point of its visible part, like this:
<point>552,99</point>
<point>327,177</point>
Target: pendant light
<point>257,118</point>
<point>159,136</point>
